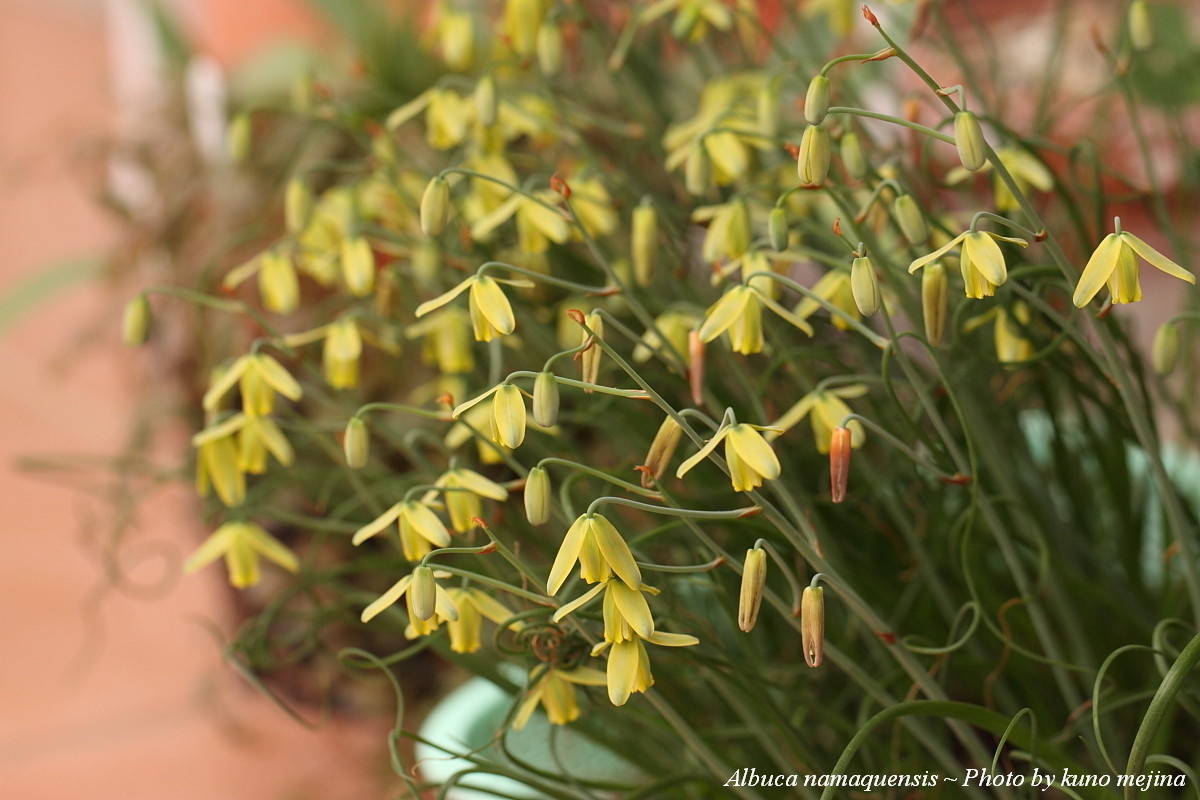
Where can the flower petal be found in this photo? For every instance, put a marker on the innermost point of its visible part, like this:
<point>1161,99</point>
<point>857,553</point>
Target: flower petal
<point>484,487</point>
<point>703,453</point>
<point>277,377</point>
<point>371,528</point>
<point>578,602</point>
<point>212,548</point>
<point>443,299</point>
<point>489,299</point>
<point>633,607</point>
<point>935,255</point>
<point>985,255</point>
<point>755,451</point>
<point>568,554</point>
<point>622,671</point>
<point>1099,267</point>
<point>387,599</point>
<point>270,548</point>
<point>672,639</point>
<point>1157,259</point>
<point>616,551</point>
<point>725,312</point>
<point>224,383</point>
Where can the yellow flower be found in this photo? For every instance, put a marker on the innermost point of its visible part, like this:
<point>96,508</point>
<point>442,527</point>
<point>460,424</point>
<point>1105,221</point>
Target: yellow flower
<point>343,349</point>
<point>981,261</point>
<point>455,35</point>
<point>218,466</point>
<point>828,410</point>
<point>629,665</point>
<point>739,312</point>
<point>728,234</point>
<point>507,420</point>
<point>462,489</point>
<point>692,17</point>
<point>595,544</point>
<point>555,690</point>
<point>491,313</point>
<point>474,605</point>
<point>727,104</point>
<point>537,224</point>
<point>674,327</point>
<point>277,283</point>
<point>626,612</point>
<point>749,456</point>
<point>1011,346</point>
<point>1026,170</point>
<point>1115,262</point>
<point>259,378</point>
<point>241,543</point>
<point>420,529</point>
<point>447,341</point>
<point>836,288</point>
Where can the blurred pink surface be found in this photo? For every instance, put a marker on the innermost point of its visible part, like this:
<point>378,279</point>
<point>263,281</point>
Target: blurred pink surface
<point>105,694</point>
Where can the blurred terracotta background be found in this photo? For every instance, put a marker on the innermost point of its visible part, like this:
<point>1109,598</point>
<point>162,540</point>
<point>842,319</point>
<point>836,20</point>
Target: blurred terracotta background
<point>112,694</point>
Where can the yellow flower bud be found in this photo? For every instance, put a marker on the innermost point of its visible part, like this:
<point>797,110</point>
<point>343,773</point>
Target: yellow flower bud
<point>135,322</point>
<point>522,19</point>
<point>435,206</point>
<point>545,399</point>
<point>537,496</point>
<point>816,101</point>
<point>754,576</point>
<point>777,228</point>
<point>238,138</point>
<point>910,219</point>
<point>549,48</point>
<point>697,170</point>
<point>343,348</point>
<point>591,357</point>
<point>864,286</point>
<point>422,594</point>
<point>854,160</point>
<point>968,138</point>
<point>358,266</point>
<point>768,109</point>
<point>662,448</point>
<point>812,625</point>
<point>356,443</point>
<point>840,442</point>
<point>485,101</point>
<point>934,301</point>
<point>1141,32</point>
<point>645,242</point>
<point>1165,350</point>
<point>813,162</point>
<point>297,205</point>
<point>277,283</point>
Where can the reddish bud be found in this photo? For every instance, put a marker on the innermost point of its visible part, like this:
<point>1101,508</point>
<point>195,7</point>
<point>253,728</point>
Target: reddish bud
<point>446,399</point>
<point>560,186</point>
<point>1041,235</point>
<point>696,367</point>
<point>839,463</point>
<point>576,315</point>
<point>837,226</point>
<point>792,150</point>
<point>869,17</point>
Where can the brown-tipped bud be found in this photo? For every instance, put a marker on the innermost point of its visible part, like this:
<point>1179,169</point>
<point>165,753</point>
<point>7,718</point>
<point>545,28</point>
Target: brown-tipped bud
<point>297,205</point>
<point>869,16</point>
<point>537,496</point>
<point>697,170</point>
<point>545,399</point>
<point>238,138</point>
<point>812,625</point>
<point>549,48</point>
<point>591,356</point>
<point>356,443</point>
<point>485,101</point>
<point>754,576</point>
<point>968,138</point>
<point>1141,32</point>
<point>1165,350</point>
<point>135,322</point>
<point>839,462</point>
<point>662,449</point>
<point>910,219</point>
<point>435,206</point>
<point>854,160</point>
<point>934,299</point>
<point>813,163</point>
<point>816,101</point>
<point>696,367</point>
<point>422,594</point>
<point>777,228</point>
<point>358,266</point>
<point>864,286</point>
<point>645,242</point>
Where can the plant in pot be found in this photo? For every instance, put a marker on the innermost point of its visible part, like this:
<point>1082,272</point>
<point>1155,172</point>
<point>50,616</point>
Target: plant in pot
<point>750,407</point>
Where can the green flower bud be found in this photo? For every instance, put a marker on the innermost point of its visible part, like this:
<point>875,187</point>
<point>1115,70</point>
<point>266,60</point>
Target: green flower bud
<point>537,496</point>
<point>238,138</point>
<point>422,594</point>
<point>549,48</point>
<point>485,101</point>
<point>910,219</point>
<point>277,283</point>
<point>864,286</point>
<point>697,170</point>
<point>1141,31</point>
<point>1165,350</point>
<point>934,286</point>
<point>545,399</point>
<point>812,625</point>
<point>435,206</point>
<point>816,102</point>
<point>135,322</point>
<point>356,444</point>
<point>854,160</point>
<point>768,109</point>
<point>298,205</point>
<point>645,242</point>
<point>968,138</point>
<point>777,228</point>
<point>813,163</point>
<point>754,576</point>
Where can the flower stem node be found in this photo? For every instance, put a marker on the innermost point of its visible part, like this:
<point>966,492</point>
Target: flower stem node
<point>751,460</point>
<point>812,625</point>
<point>1115,262</point>
<point>816,100</point>
<point>754,576</point>
<point>812,163</point>
<point>840,442</point>
<point>968,138</point>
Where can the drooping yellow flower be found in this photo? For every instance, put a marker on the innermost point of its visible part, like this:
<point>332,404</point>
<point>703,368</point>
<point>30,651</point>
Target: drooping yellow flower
<point>1115,262</point>
<point>343,350</point>
<point>448,116</point>
<point>1007,326</point>
<point>218,467</point>
<point>555,690</point>
<point>420,529</point>
<point>707,139</point>
<point>259,378</point>
<point>739,311</point>
<point>728,233</point>
<point>461,489</point>
<point>455,35</point>
<point>692,17</point>
<point>828,409</point>
<point>1026,170</point>
<point>474,605</point>
<point>598,548</point>
<point>626,612</point>
<point>750,458</point>
<point>241,543</point>
<point>981,260</point>
<point>447,341</point>
<point>834,287</point>
<point>629,664</point>
<point>508,417</point>
<point>537,224</point>
<point>491,313</point>
<point>443,607</point>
